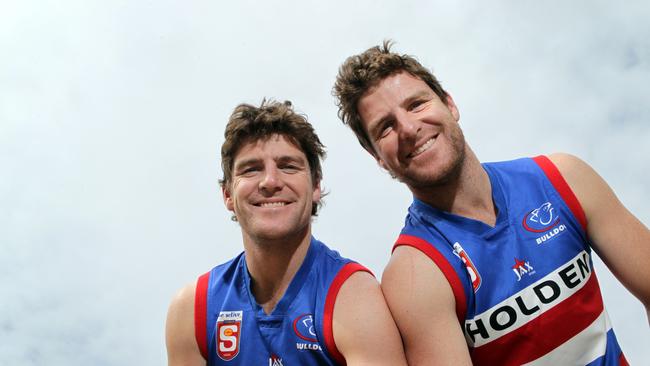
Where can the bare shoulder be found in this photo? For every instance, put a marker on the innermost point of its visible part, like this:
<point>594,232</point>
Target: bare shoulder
<point>182,348</point>
<point>424,308</point>
<point>619,238</point>
<point>183,298</point>
<point>359,282</point>
<point>572,167</point>
<point>359,296</point>
<point>408,269</point>
<point>564,158</point>
<point>181,308</point>
<point>364,330</point>
<point>590,189</point>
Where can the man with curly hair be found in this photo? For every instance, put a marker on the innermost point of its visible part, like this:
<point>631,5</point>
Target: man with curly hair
<point>287,299</point>
<point>493,265</point>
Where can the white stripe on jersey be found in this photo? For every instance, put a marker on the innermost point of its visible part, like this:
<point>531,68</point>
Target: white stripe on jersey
<point>590,344</point>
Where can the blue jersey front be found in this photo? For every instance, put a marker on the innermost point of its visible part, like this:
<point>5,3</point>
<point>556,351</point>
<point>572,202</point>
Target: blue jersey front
<point>525,288</point>
<point>232,329</point>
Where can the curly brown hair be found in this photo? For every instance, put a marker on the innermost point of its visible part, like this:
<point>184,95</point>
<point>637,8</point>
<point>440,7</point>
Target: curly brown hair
<point>359,73</point>
<point>248,124</point>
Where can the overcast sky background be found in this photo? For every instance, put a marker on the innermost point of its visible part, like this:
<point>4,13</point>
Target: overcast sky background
<point>112,116</point>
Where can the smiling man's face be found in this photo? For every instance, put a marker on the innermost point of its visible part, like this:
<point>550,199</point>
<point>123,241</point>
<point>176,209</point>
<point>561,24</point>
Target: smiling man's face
<point>415,135</point>
<point>271,192</point>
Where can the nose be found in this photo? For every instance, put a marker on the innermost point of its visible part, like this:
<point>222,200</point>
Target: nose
<point>271,181</point>
<point>407,130</point>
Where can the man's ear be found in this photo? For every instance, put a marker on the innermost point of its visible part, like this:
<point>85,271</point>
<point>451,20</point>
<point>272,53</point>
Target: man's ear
<point>384,167</point>
<point>381,163</point>
<point>316,194</point>
<point>451,105</point>
<point>227,197</point>
<point>378,159</point>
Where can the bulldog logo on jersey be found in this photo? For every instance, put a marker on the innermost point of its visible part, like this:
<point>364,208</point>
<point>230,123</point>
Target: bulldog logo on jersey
<point>228,334</point>
<point>303,326</point>
<point>543,220</point>
<point>474,276</point>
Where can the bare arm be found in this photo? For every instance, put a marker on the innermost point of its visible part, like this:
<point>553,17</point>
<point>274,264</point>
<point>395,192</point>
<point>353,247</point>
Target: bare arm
<point>182,349</point>
<point>423,306</point>
<point>364,331</point>
<point>619,238</point>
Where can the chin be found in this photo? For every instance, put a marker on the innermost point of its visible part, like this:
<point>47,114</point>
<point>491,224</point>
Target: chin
<point>429,179</point>
<point>279,231</point>
<point>273,231</point>
<point>435,175</point>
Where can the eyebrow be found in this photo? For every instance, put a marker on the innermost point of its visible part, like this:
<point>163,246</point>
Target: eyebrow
<point>247,161</point>
<point>291,158</point>
<point>417,95</point>
<point>281,159</point>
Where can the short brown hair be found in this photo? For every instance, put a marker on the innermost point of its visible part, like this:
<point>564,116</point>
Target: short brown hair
<point>248,123</point>
<point>359,73</point>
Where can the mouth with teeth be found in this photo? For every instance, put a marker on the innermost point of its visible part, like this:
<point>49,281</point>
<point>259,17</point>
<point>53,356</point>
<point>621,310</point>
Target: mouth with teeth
<point>271,204</point>
<point>424,147</point>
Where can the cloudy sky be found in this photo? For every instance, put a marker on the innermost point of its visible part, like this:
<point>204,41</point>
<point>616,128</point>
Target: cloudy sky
<point>112,116</point>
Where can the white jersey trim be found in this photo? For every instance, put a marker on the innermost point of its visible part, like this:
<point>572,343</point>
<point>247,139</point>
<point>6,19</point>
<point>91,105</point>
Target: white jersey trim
<point>590,344</point>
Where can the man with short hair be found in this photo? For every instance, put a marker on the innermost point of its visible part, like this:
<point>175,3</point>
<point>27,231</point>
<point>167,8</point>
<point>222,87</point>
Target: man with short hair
<point>287,299</point>
<point>501,249</point>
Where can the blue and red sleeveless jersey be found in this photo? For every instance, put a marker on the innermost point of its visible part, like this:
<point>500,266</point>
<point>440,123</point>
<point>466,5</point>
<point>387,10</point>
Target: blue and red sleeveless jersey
<point>232,329</point>
<point>525,289</point>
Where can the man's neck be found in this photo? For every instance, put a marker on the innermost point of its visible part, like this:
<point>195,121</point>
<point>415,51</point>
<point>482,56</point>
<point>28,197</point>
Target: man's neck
<point>468,195</point>
<point>272,264</point>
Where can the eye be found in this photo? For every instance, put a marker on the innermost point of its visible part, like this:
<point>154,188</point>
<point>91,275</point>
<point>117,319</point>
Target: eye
<point>384,129</point>
<point>249,170</point>
<point>290,167</point>
<point>417,105</point>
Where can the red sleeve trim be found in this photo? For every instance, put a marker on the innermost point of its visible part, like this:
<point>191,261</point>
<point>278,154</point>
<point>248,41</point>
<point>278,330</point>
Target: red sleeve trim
<point>622,361</point>
<point>446,268</point>
<point>200,313</point>
<point>556,179</point>
<point>328,316</point>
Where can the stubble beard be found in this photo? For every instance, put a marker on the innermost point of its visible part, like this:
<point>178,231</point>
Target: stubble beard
<point>446,174</point>
<point>274,238</point>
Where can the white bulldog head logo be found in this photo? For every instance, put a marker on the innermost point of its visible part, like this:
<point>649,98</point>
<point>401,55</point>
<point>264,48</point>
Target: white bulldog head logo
<point>543,214</point>
<point>540,219</point>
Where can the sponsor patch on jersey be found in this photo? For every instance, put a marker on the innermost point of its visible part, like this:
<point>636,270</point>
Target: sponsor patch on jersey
<point>529,303</point>
<point>543,220</point>
<point>522,267</point>
<point>474,276</point>
<point>229,334</point>
<point>274,360</point>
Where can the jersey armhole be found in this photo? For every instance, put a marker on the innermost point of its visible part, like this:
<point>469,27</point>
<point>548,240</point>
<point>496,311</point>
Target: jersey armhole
<point>444,266</point>
<point>200,313</point>
<point>562,187</point>
<point>328,315</point>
